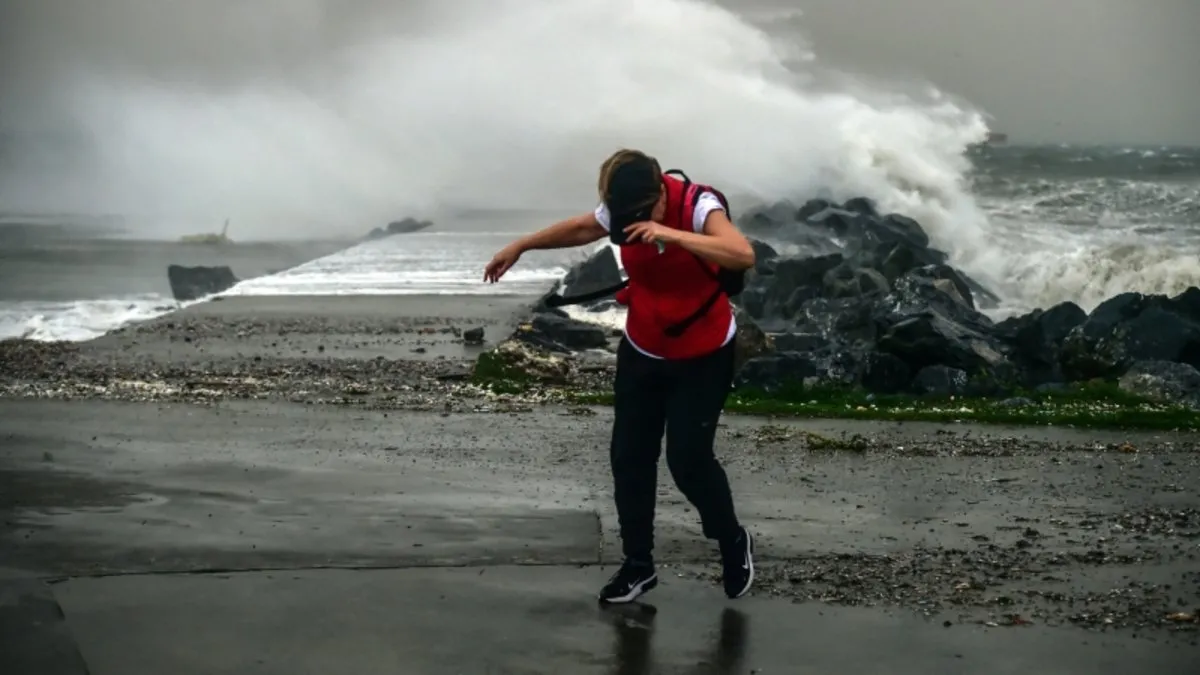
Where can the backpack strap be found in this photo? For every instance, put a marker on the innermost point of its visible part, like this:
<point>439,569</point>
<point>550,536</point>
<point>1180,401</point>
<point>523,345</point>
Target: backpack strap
<point>677,329</point>
<point>687,206</point>
<point>560,301</point>
<point>689,193</point>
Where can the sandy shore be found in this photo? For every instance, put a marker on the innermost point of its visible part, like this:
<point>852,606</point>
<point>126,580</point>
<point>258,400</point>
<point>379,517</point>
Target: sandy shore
<point>139,455</point>
<point>403,327</point>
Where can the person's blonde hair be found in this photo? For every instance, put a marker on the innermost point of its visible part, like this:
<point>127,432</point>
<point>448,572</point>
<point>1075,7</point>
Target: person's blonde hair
<point>621,158</point>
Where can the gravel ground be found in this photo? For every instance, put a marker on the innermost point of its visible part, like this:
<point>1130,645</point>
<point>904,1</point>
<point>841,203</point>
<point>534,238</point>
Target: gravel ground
<point>292,366</point>
<point>999,583</point>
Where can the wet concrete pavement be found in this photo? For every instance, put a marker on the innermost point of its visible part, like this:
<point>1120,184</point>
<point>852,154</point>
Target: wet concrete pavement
<point>491,533</point>
<point>528,620</point>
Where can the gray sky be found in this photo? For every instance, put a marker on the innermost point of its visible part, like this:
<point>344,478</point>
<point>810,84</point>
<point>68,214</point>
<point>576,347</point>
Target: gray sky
<point>1089,71</point>
<point>1106,71</point>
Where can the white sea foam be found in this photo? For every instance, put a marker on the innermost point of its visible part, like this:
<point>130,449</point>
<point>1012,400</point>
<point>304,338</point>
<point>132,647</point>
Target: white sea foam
<point>77,320</point>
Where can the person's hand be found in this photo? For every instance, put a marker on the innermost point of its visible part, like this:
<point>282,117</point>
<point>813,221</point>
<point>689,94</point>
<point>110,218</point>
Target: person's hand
<point>501,263</point>
<point>649,232</point>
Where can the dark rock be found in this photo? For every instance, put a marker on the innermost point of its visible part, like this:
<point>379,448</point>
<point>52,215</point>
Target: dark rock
<point>763,252</point>
<point>569,333</point>
<point>1000,379</point>
<point>405,226</point>
<point>1132,327</point>
<point>1160,332</point>
<point>839,364</point>
<point>895,228</point>
<point>897,259</point>
<point>940,381</point>
<point>861,205</point>
<point>751,341</point>
<point>799,342</point>
<point>768,219</point>
<point>770,372</point>
<point>839,320</point>
<point>598,271</point>
<point>811,208</point>
<point>1036,339</point>
<point>929,288</point>
<point>774,293</point>
<point>473,336</point>
<point>192,283</point>
<point>884,374</point>
<point>942,286</point>
<point>847,281</point>
<point>929,339</point>
<point>839,222</point>
<point>836,365</point>
<point>1164,381</point>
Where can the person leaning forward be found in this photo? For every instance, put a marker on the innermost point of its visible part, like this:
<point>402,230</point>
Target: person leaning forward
<point>675,361</point>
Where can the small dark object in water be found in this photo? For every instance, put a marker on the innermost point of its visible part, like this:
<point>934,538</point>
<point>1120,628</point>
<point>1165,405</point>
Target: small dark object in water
<point>406,226</point>
<point>192,283</point>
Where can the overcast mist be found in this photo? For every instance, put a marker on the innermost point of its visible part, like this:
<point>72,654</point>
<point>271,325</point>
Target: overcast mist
<point>1093,71</point>
<point>293,114</point>
<point>1081,71</point>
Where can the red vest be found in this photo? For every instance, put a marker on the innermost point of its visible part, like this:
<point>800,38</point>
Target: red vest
<point>665,288</point>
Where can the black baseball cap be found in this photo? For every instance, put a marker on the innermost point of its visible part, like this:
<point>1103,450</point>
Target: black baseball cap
<point>633,189</point>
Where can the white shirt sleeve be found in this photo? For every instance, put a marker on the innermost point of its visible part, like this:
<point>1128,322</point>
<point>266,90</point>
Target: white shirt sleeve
<point>706,203</point>
<point>603,217</point>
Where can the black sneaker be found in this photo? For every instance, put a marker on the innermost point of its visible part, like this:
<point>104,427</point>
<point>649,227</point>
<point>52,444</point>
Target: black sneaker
<point>737,557</point>
<point>633,579</point>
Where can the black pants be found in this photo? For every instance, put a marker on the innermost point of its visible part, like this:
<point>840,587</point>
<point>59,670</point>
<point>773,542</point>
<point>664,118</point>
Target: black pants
<point>686,398</point>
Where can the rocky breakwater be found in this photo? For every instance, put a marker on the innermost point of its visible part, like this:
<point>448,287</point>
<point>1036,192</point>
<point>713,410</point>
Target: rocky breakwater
<point>862,300</point>
<point>869,303</point>
<point>405,226</point>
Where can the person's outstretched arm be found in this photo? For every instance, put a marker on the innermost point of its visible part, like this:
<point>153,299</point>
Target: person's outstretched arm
<point>573,231</point>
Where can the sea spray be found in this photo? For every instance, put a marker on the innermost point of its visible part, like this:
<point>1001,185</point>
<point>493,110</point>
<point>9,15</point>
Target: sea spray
<point>348,114</point>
